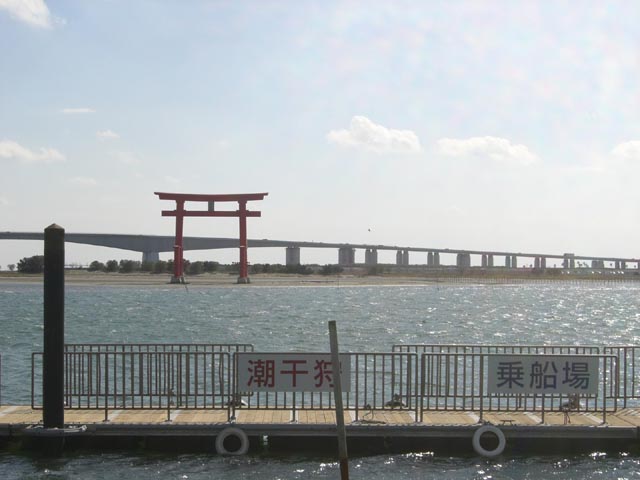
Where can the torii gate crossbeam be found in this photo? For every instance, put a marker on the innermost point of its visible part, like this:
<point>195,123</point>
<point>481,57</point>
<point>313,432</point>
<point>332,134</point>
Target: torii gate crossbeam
<point>242,213</point>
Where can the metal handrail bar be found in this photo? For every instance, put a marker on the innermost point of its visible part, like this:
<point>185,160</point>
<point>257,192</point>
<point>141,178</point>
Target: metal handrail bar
<point>494,348</point>
<point>158,347</point>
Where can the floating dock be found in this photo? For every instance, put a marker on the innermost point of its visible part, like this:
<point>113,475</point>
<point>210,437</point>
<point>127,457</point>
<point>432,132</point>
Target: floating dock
<point>440,432</point>
<point>229,399</point>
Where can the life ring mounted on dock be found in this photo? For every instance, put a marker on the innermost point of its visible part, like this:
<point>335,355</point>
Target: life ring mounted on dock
<point>232,441</point>
<point>492,430</point>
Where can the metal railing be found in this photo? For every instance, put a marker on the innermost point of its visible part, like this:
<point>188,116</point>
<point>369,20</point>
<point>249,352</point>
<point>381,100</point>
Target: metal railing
<point>420,348</point>
<point>414,378</point>
<point>459,382</point>
<point>157,347</point>
<point>379,381</point>
<point>143,376</point>
<point>629,385</point>
<point>140,380</point>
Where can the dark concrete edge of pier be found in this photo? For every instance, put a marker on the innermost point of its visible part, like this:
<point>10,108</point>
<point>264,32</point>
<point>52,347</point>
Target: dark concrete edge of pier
<point>290,437</point>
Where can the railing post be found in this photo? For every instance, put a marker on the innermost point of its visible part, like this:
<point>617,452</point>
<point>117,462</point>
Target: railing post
<point>53,360</point>
<point>167,382</point>
<point>481,387</point>
<point>106,386</point>
<point>294,413</point>
<point>423,381</point>
<point>234,388</point>
<point>625,373</point>
<point>33,381</point>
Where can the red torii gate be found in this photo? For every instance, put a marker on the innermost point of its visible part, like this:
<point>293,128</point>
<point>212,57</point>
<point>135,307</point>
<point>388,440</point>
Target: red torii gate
<point>242,213</point>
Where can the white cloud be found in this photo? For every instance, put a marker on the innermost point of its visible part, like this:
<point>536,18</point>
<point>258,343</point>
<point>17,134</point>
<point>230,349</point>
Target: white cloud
<point>627,150</point>
<point>13,150</point>
<point>83,181</point>
<point>128,158</point>
<point>495,148</point>
<point>107,135</point>
<point>33,12</point>
<point>4,202</point>
<point>77,110</point>
<point>369,136</point>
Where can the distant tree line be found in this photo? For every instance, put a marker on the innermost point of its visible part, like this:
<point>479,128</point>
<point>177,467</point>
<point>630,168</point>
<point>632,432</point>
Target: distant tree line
<point>35,264</point>
<point>161,266</point>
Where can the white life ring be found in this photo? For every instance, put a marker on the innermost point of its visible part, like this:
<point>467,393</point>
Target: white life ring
<point>232,432</point>
<point>480,450</point>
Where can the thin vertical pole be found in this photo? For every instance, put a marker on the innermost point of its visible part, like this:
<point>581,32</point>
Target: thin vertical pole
<point>337,395</point>
<point>53,359</point>
<point>244,275</point>
<point>178,248</point>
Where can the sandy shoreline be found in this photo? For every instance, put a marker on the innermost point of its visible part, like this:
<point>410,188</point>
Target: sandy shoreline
<point>82,277</point>
<point>218,280</point>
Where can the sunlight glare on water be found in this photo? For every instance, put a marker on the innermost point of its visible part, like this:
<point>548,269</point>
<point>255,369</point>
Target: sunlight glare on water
<point>295,318</point>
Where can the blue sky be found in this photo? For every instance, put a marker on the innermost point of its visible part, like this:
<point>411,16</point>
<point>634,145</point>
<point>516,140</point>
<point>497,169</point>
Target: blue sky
<point>467,124</point>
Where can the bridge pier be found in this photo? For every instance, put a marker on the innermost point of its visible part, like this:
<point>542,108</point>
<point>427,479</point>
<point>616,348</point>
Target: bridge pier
<point>371,256</point>
<point>463,260</point>
<point>150,257</point>
<point>507,261</point>
<point>346,256</point>
<point>402,257</point>
<point>485,260</point>
<point>540,263</point>
<point>569,261</point>
<point>292,256</point>
<point>490,260</point>
<point>514,261</point>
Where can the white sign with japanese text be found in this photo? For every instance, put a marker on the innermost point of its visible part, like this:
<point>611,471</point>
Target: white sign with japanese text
<point>543,374</point>
<point>290,372</point>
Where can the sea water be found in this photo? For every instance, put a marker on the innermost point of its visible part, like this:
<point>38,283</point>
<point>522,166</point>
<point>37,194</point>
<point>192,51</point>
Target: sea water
<point>284,319</point>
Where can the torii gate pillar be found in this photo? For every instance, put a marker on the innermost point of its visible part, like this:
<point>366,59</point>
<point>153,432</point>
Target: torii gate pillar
<point>242,213</point>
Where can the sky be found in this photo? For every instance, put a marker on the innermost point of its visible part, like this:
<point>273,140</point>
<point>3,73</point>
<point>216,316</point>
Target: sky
<point>493,125</point>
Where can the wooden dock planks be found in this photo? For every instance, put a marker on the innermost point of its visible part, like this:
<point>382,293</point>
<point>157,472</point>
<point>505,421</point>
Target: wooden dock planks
<point>24,415</point>
<point>20,415</point>
<point>448,417</point>
<point>512,418</point>
<point>382,417</point>
<point>263,416</point>
<point>320,417</point>
<point>200,416</point>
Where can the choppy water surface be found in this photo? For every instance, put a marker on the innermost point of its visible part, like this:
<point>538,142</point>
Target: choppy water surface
<point>295,318</point>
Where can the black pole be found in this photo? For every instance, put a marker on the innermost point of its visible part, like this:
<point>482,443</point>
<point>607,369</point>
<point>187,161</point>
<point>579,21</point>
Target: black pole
<point>53,360</point>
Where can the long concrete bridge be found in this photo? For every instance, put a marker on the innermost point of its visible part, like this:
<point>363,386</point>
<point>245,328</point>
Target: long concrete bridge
<point>151,245</point>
